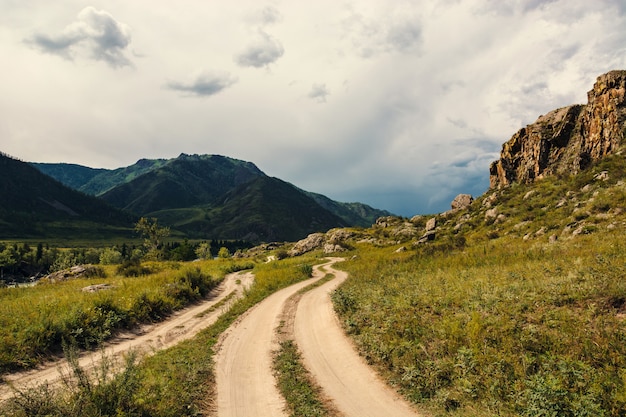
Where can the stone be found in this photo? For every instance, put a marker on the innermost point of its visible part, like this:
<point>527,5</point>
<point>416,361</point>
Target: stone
<point>491,214</point>
<point>431,224</point>
<point>566,140</point>
<point>461,202</point>
<point>309,243</point>
<point>331,248</point>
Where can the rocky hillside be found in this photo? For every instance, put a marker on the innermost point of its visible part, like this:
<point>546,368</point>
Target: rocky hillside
<point>566,140</point>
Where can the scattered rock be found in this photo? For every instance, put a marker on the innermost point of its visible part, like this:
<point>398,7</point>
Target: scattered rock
<point>427,237</point>
<point>77,271</point>
<point>491,214</point>
<point>97,287</point>
<point>553,238</point>
<point>333,248</point>
<point>529,194</point>
<point>309,243</point>
<point>602,176</point>
<point>461,202</point>
<point>400,249</point>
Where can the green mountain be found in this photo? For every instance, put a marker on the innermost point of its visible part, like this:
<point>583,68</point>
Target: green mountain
<point>216,196</point>
<point>36,205</point>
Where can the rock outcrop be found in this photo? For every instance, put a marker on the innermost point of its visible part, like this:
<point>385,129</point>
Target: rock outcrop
<point>566,140</point>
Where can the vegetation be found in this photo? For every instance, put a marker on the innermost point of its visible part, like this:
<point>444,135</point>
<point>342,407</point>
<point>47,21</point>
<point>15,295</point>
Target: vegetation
<point>519,311</point>
<point>173,382</point>
<point>517,307</point>
<point>35,321</point>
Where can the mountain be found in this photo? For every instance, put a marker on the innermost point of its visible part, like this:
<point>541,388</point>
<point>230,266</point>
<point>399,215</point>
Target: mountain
<point>566,140</point>
<point>186,181</point>
<point>216,196</point>
<point>36,205</point>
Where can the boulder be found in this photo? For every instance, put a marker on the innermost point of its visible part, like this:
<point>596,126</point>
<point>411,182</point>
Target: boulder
<point>309,243</point>
<point>461,202</point>
<point>431,224</point>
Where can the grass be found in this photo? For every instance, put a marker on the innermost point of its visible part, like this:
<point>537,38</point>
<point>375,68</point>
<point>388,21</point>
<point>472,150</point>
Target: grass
<point>505,328</point>
<point>178,381</point>
<point>295,383</point>
<point>35,321</point>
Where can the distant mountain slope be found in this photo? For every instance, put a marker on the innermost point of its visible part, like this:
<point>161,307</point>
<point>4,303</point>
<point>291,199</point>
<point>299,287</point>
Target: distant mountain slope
<point>355,214</point>
<point>35,205</point>
<point>264,209</point>
<point>186,181</point>
<point>219,197</point>
<point>72,175</point>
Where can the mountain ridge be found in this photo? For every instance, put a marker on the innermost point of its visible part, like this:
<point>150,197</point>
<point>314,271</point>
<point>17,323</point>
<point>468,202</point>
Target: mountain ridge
<point>191,193</point>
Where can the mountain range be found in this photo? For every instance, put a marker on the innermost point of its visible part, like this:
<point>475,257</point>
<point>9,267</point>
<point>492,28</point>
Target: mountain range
<point>212,196</point>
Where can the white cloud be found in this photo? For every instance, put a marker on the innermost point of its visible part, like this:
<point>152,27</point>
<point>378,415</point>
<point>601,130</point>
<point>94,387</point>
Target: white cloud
<point>319,92</point>
<point>204,84</point>
<point>96,32</point>
<point>260,52</point>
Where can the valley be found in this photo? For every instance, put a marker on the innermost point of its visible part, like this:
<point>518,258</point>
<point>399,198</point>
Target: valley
<point>511,303</point>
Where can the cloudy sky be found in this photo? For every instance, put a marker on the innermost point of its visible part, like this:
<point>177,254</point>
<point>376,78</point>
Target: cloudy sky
<point>398,104</point>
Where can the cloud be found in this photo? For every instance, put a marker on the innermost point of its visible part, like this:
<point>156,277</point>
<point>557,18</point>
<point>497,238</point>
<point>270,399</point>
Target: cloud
<point>265,17</point>
<point>205,84</point>
<point>261,52</point>
<point>319,92</point>
<point>373,36</point>
<point>95,32</point>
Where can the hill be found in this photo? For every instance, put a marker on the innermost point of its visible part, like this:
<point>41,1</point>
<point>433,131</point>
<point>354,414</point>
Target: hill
<point>513,303</point>
<point>35,205</point>
<point>216,196</point>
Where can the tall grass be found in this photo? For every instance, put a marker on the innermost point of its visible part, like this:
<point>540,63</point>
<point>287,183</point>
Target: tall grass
<point>175,382</point>
<point>35,321</point>
<point>504,328</point>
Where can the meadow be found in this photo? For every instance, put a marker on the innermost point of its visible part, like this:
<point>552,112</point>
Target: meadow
<point>502,328</point>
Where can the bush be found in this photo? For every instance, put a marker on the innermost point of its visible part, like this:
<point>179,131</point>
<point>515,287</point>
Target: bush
<point>132,268</point>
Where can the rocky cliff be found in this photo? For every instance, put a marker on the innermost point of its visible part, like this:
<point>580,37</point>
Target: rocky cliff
<point>569,139</point>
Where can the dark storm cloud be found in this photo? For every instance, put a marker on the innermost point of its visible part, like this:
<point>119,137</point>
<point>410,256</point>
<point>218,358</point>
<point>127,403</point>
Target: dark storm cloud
<point>95,31</point>
<point>261,52</point>
<point>204,85</point>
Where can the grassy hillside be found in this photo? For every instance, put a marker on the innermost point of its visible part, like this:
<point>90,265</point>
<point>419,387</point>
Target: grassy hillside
<point>73,175</point>
<point>183,182</point>
<point>35,205</point>
<point>518,307</point>
<point>264,209</point>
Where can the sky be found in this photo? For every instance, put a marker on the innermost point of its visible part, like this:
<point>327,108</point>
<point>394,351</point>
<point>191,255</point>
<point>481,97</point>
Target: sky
<point>398,104</point>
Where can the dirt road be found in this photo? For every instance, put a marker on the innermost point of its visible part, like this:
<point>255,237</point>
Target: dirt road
<point>246,386</point>
<point>183,324</point>
<point>352,386</point>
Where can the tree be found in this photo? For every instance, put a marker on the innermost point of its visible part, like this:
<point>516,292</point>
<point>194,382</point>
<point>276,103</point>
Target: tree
<point>152,234</point>
<point>204,251</point>
<point>223,253</point>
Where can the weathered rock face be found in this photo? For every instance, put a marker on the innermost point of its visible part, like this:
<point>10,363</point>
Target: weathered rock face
<point>566,140</point>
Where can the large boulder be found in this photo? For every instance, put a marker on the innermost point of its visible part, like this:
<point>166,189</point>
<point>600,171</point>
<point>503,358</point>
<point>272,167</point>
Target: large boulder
<point>309,243</point>
<point>461,202</point>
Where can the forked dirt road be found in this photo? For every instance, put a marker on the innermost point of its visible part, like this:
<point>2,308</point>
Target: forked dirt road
<point>243,362</point>
<point>246,386</point>
<point>353,387</point>
<point>183,324</point>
